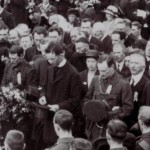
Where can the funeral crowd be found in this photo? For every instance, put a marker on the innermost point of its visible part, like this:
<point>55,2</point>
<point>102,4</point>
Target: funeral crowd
<point>75,74</point>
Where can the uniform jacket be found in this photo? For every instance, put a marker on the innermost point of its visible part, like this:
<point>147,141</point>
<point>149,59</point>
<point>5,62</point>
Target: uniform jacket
<point>64,90</point>
<point>120,94</point>
<point>28,75</point>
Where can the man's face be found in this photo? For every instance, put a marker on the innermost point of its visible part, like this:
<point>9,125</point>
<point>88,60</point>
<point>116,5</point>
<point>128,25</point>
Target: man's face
<point>104,70</point>
<point>147,51</point>
<point>91,64</point>
<point>37,39</point>
<point>54,36</point>
<point>115,39</point>
<point>135,31</point>
<point>86,27</point>
<point>24,31</point>
<point>73,36</point>
<point>81,47</point>
<point>54,59</point>
<point>71,18</point>
<point>97,33</point>
<point>4,34</point>
<point>121,27</point>
<point>118,54</point>
<point>13,57</point>
<point>135,65</point>
<point>84,4</point>
<point>26,42</point>
<point>13,37</point>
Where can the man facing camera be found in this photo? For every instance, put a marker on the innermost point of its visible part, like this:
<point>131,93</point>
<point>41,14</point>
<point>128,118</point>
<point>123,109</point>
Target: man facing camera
<point>62,89</point>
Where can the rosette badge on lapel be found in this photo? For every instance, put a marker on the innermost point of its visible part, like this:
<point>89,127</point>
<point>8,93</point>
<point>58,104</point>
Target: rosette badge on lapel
<point>109,88</point>
<point>19,78</point>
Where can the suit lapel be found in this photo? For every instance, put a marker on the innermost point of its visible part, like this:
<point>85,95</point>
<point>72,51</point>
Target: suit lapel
<point>60,75</point>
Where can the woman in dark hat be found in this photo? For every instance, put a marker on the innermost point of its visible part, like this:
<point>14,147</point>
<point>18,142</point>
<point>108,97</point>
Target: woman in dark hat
<point>73,17</point>
<point>87,75</point>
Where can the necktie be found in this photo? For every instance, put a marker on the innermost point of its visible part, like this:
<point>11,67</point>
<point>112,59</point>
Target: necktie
<point>132,83</point>
<point>56,70</point>
<point>119,67</point>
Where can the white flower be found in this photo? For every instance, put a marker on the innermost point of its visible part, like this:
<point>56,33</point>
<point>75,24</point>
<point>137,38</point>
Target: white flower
<point>109,88</point>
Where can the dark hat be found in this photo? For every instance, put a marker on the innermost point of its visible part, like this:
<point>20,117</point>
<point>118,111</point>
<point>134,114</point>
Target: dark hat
<point>73,11</point>
<point>83,40</point>
<point>101,144</point>
<point>112,10</point>
<point>92,54</point>
<point>95,110</point>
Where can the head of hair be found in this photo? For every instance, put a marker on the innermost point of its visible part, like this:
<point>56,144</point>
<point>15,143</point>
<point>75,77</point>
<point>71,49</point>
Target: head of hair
<point>117,129</point>
<point>108,58</point>
<point>39,30</point>
<point>15,49</point>
<point>144,115</point>
<point>56,29</point>
<point>99,26</point>
<point>85,20</point>
<point>56,47</point>
<point>141,56</point>
<point>121,46</point>
<point>81,144</point>
<point>137,24</point>
<point>15,140</point>
<point>64,119</point>
<point>121,34</point>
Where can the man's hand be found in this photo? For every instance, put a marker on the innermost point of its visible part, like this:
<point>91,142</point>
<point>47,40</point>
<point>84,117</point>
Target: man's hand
<point>53,108</point>
<point>42,100</point>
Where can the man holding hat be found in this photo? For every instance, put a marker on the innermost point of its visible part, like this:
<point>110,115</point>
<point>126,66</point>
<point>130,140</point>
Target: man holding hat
<point>112,91</point>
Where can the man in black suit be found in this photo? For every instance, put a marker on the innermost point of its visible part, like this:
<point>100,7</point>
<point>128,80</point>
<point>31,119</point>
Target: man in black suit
<point>140,84</point>
<point>62,89</point>
<point>86,26</point>
<point>119,57</point>
<point>38,34</point>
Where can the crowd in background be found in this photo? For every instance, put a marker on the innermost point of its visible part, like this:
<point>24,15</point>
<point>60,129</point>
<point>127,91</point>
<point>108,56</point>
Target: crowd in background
<point>85,65</point>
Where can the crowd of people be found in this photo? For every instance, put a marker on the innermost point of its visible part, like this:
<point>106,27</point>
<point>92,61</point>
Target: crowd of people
<point>84,68</point>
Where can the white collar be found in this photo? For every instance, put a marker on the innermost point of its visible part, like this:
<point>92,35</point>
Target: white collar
<point>1,10</point>
<point>120,65</point>
<point>136,78</point>
<point>62,63</point>
<point>147,58</point>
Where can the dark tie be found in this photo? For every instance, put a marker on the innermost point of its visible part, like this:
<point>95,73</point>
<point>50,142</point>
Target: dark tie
<point>132,83</point>
<point>56,70</point>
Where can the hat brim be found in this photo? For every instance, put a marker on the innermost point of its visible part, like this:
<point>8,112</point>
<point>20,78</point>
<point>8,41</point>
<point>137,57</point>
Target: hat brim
<point>110,13</point>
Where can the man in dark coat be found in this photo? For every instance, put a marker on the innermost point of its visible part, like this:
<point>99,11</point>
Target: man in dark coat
<point>38,34</point>
<point>140,84</point>
<point>62,89</point>
<point>119,57</point>
<point>113,90</point>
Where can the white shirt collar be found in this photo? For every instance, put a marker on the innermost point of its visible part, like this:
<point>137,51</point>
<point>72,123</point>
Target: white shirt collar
<point>147,58</point>
<point>1,10</point>
<point>120,65</point>
<point>136,78</point>
<point>62,63</point>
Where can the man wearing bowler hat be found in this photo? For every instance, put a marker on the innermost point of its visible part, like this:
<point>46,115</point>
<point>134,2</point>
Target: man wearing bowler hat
<point>112,90</point>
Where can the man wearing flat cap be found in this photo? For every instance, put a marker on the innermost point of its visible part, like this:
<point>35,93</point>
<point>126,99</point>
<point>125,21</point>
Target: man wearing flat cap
<point>113,90</point>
